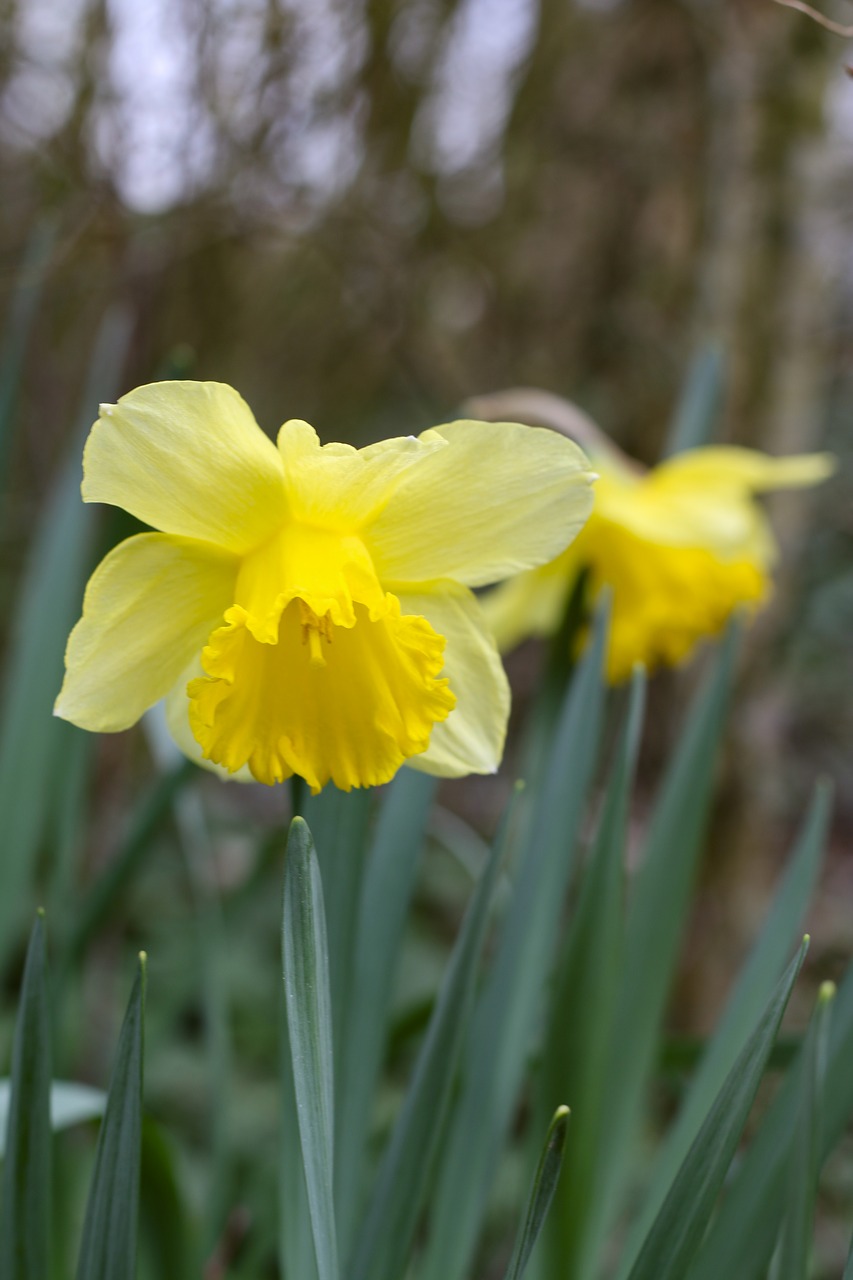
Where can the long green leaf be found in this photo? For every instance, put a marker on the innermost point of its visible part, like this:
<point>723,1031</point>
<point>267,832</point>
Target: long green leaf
<point>698,409</point>
<point>18,326</point>
<point>657,911</point>
<point>784,920</point>
<point>386,891</point>
<point>338,822</point>
<point>746,1228</point>
<point>678,1229</point>
<point>504,1025</point>
<point>404,1175</point>
<point>151,811</point>
<point>30,737</point>
<point>581,1016</point>
<point>25,1194</point>
<point>309,1020</point>
<point>795,1247</point>
<point>541,1194</point>
<point>108,1246</point>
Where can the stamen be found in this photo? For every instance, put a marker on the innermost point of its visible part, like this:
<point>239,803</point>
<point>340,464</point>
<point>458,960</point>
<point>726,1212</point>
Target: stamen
<point>313,628</point>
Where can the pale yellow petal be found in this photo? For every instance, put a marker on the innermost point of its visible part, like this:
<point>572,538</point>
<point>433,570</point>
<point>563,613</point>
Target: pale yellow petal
<point>187,458</point>
<point>471,739</point>
<point>499,499</point>
<point>728,466</point>
<point>149,606</point>
<point>533,603</point>
<point>340,487</point>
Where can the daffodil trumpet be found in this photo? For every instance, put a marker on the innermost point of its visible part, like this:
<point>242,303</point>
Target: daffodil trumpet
<point>308,609</point>
<point>682,546</point>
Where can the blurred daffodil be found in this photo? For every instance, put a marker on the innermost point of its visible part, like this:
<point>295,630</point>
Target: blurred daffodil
<point>306,609</point>
<point>681,547</point>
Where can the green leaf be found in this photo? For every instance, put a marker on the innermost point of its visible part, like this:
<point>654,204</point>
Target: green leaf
<point>109,888</point>
<point>657,910</point>
<point>30,737</point>
<point>386,892</point>
<point>795,1247</point>
<point>701,400</point>
<point>404,1174</point>
<point>163,1222</point>
<point>309,1020</point>
<point>25,1195</point>
<point>677,1231</point>
<point>784,920</point>
<point>108,1246</point>
<point>506,1018</point>
<point>338,821</point>
<point>581,1016</point>
<point>19,324</point>
<point>541,1194</point>
<point>741,1238</point>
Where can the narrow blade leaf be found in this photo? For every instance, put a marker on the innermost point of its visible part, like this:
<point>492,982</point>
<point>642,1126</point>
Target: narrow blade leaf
<point>655,919</point>
<point>755,983</point>
<point>309,1020</point>
<point>795,1247</point>
<point>25,1207</point>
<point>541,1193</point>
<point>108,1247</point>
<point>407,1166</point>
<point>677,1232</point>
<point>504,1026</point>
<point>386,891</point>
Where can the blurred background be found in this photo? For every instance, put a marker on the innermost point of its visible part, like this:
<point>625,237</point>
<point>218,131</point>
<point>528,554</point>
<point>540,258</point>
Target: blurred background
<point>361,212</point>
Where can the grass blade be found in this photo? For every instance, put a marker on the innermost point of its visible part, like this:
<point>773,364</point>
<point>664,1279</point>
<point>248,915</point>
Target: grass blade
<point>678,1229</point>
<point>654,923</point>
<point>309,1020</point>
<point>752,989</point>
<point>403,1178</point>
<point>504,1026</point>
<point>30,737</point>
<point>699,407</point>
<point>108,1247</point>
<point>795,1248</point>
<point>541,1194</point>
<point>19,324</point>
<point>581,1016</point>
<point>848,1270</point>
<point>25,1194</point>
<point>746,1228</point>
<point>386,892</point>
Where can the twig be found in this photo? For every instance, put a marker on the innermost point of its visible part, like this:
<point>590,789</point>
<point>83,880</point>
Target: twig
<point>835,27</point>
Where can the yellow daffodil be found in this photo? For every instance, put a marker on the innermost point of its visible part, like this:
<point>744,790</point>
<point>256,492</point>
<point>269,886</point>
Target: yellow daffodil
<point>306,609</point>
<point>680,546</point>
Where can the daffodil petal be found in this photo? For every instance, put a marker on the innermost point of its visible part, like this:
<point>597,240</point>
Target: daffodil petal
<point>350,704</point>
<point>175,708</point>
<point>731,467</point>
<point>501,498</point>
<point>533,603</point>
<point>187,458</point>
<point>340,487</point>
<point>150,604</point>
<point>471,739</point>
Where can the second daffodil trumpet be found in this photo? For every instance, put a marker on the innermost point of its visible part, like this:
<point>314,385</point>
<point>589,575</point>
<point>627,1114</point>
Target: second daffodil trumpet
<point>307,609</point>
<point>681,546</point>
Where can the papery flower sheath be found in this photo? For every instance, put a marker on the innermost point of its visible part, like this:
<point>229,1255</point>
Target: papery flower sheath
<point>307,609</point>
<point>681,547</point>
